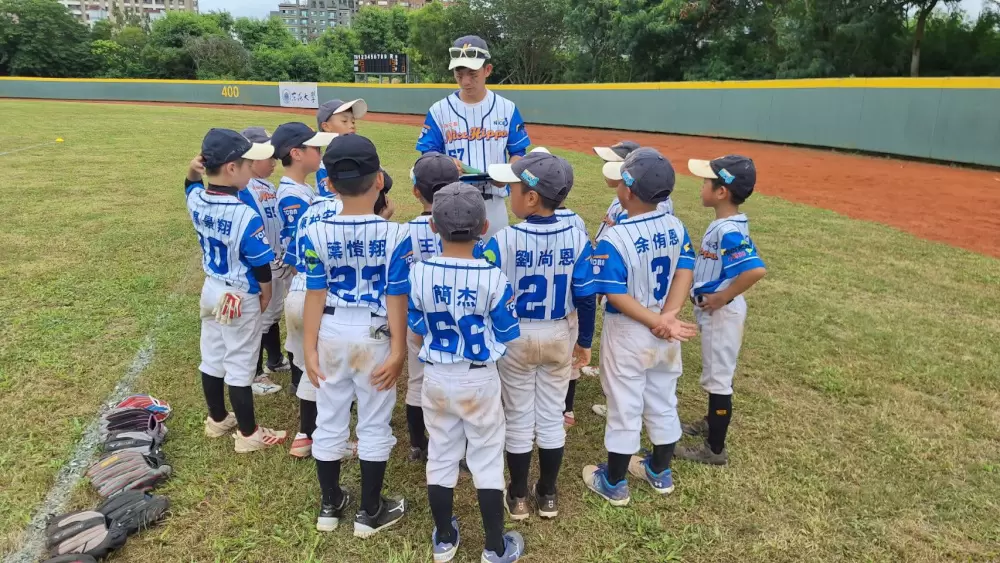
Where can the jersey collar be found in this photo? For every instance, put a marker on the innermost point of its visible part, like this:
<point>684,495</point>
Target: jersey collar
<point>540,220</point>
<point>654,214</point>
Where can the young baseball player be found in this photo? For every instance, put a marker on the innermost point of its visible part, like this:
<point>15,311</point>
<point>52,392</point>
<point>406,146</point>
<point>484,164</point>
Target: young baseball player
<point>339,117</point>
<point>357,280</point>
<point>643,265</point>
<point>236,257</point>
<point>726,267</point>
<point>463,310</point>
<point>548,263</point>
<point>615,213</point>
<point>261,195</point>
<point>431,172</point>
<point>298,147</point>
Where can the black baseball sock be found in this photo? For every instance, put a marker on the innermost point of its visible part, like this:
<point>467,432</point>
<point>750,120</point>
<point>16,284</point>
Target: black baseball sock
<point>570,396</point>
<point>491,507</point>
<point>242,400</point>
<point>617,467</point>
<point>720,411</point>
<point>372,477</point>
<point>328,473</point>
<point>215,396</point>
<point>549,462</point>
<point>260,359</point>
<point>442,507</point>
<point>661,457</point>
<point>415,424</point>
<point>307,417</point>
<point>518,465</point>
<point>271,343</point>
<point>296,372</point>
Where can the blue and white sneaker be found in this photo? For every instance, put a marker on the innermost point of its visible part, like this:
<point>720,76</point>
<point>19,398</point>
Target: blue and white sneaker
<point>596,479</point>
<point>662,483</point>
<point>445,551</point>
<point>513,550</point>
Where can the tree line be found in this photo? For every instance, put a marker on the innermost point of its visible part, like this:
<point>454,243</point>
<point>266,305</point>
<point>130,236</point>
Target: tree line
<point>531,41</point>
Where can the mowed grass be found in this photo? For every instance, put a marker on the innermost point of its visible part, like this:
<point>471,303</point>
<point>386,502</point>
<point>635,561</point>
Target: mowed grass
<point>866,415</point>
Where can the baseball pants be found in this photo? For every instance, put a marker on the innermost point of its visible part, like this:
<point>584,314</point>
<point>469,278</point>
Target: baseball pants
<point>276,307</point>
<point>721,338</point>
<point>414,370</point>
<point>535,375</point>
<point>639,374</point>
<point>574,332</point>
<point>347,356</point>
<point>295,304</point>
<point>229,351</point>
<point>464,419</point>
<point>496,214</point>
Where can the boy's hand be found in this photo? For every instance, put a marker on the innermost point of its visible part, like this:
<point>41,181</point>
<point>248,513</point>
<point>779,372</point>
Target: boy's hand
<point>384,377</point>
<point>712,302</point>
<point>196,169</point>
<point>312,370</point>
<point>581,356</point>
<point>672,328</point>
<point>388,210</point>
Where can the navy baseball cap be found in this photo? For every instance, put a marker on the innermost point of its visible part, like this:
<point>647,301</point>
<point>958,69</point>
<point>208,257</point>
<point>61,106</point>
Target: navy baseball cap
<point>292,135</point>
<point>738,173</point>
<point>469,51</point>
<point>616,152</point>
<point>256,134</point>
<point>547,174</point>
<point>359,107</point>
<point>647,173</point>
<point>459,212</point>
<point>222,146</point>
<point>350,156</point>
<point>431,172</point>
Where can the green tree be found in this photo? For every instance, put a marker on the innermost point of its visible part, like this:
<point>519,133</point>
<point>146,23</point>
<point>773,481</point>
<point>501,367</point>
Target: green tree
<point>41,38</point>
<point>922,10</point>
<point>271,32</point>
<point>218,57</point>
<point>592,24</point>
<point>335,50</point>
<point>177,28</point>
<point>382,30</point>
<point>110,57</point>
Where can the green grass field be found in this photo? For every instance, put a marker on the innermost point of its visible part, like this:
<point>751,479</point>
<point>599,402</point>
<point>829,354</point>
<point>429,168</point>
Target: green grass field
<point>866,410</point>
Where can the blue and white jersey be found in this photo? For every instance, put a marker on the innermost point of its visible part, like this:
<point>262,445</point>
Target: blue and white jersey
<point>726,252</point>
<point>231,235</point>
<point>262,196</point>
<point>477,134</point>
<point>293,200</point>
<point>639,256</point>
<point>321,208</point>
<point>358,259</point>
<point>616,214</point>
<point>569,216</point>
<point>425,242</point>
<point>464,308</point>
<point>548,263</point>
<point>323,181</point>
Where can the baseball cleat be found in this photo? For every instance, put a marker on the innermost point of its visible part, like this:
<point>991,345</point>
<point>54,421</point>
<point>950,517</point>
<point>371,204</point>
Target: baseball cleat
<point>445,551</point>
<point>261,439</point>
<point>662,483</point>
<point>513,545</point>
<point>215,429</point>
<point>600,410</point>
<point>301,446</point>
<point>390,511</point>
<point>569,419</point>
<point>279,367</point>
<point>702,454</point>
<point>548,505</point>
<point>262,385</point>
<point>696,428</point>
<point>417,454</point>
<point>330,515</point>
<point>596,479</point>
<point>517,507</point>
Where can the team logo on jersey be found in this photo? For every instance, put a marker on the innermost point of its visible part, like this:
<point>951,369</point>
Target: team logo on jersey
<point>264,194</point>
<point>312,259</point>
<point>709,255</point>
<point>598,261</point>
<point>490,256</point>
<point>502,122</point>
<point>474,134</point>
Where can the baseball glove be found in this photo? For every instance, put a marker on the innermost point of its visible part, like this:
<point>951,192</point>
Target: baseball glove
<point>229,307</point>
<point>127,471</point>
<point>71,558</point>
<point>131,420</point>
<point>86,532</point>
<point>135,510</point>
<point>133,442</point>
<point>159,409</point>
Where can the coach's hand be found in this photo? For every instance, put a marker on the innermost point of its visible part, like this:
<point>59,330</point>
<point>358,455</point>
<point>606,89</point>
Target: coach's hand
<point>384,377</point>
<point>581,356</point>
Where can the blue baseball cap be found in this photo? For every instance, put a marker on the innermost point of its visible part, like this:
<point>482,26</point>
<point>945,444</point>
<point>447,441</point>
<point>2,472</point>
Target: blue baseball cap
<point>295,134</point>
<point>469,51</point>
<point>222,146</point>
<point>358,107</point>
<point>736,172</point>
<point>350,156</point>
<point>647,173</point>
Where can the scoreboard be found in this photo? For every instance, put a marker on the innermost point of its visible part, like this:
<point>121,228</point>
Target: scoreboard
<point>381,63</point>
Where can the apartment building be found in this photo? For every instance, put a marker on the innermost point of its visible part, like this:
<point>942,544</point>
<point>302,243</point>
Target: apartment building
<point>308,19</point>
<point>411,4</point>
<point>92,11</point>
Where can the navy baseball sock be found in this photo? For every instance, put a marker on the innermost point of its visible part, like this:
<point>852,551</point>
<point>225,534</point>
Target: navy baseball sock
<point>570,396</point>
<point>296,372</point>
<point>491,507</point>
<point>307,417</point>
<point>328,473</point>
<point>416,427</point>
<point>442,507</point>
<point>661,457</point>
<point>720,411</point>
<point>271,342</point>
<point>372,477</point>
<point>549,462</point>
<point>617,467</point>
<point>242,400</point>
<point>518,465</point>
<point>215,396</point>
<point>260,360</point>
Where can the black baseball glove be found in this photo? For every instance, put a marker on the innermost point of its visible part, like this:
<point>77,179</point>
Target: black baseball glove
<point>134,510</point>
<point>85,532</point>
<point>126,471</point>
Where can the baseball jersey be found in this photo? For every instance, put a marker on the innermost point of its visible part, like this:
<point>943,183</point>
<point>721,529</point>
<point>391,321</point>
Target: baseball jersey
<point>293,200</point>
<point>358,259</point>
<point>424,241</point>
<point>569,216</point>
<point>477,134</point>
<point>316,212</point>
<point>726,252</point>
<point>639,256</point>
<point>467,308</point>
<point>547,262</point>
<point>231,235</point>
<point>262,196</point>
<point>616,213</point>
<point>323,181</point>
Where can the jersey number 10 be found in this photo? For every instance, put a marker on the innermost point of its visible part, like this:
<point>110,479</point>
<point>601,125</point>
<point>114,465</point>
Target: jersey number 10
<point>216,254</point>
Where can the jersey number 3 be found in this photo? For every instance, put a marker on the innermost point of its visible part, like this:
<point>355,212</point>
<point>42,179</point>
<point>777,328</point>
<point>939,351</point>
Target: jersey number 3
<point>661,269</point>
<point>445,337</point>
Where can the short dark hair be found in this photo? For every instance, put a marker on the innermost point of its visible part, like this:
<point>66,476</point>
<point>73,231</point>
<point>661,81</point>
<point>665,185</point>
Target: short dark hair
<point>287,159</point>
<point>718,183</point>
<point>547,202</point>
<point>218,169</point>
<point>355,186</point>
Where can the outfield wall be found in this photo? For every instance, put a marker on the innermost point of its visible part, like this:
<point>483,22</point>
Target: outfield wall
<point>950,119</point>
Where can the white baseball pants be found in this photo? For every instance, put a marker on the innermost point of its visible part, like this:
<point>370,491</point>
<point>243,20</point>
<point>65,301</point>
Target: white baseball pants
<point>464,418</point>
<point>295,303</point>
<point>496,214</point>
<point>414,370</point>
<point>347,356</point>
<point>229,351</point>
<point>639,375</point>
<point>275,307</point>
<point>574,332</point>
<point>721,338</point>
<point>535,375</point>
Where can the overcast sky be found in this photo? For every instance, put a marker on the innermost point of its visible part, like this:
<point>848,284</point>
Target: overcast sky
<point>260,8</point>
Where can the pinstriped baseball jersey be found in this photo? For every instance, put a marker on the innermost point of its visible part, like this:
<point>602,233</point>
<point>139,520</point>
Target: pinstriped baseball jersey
<point>329,208</point>
<point>293,200</point>
<point>639,257</point>
<point>477,134</point>
<point>425,243</point>
<point>358,259</point>
<point>466,307</point>
<point>262,196</point>
<point>574,220</point>
<point>616,213</point>
<point>547,264</point>
<point>726,252</point>
<point>323,181</point>
<point>231,235</point>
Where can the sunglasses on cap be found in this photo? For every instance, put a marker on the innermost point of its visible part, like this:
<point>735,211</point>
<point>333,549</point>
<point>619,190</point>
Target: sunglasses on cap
<point>468,53</point>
